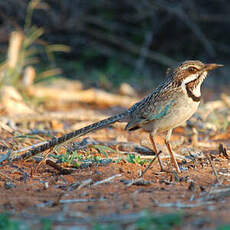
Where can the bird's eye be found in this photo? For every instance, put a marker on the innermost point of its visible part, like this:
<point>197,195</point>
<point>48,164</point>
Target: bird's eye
<point>192,69</point>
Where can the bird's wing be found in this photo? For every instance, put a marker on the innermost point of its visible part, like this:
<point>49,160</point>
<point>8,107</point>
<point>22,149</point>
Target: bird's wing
<point>155,106</point>
<point>149,112</point>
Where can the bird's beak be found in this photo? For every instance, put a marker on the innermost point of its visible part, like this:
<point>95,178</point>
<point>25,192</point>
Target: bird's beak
<point>212,66</point>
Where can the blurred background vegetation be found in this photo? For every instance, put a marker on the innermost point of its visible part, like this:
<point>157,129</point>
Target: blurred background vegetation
<point>106,42</point>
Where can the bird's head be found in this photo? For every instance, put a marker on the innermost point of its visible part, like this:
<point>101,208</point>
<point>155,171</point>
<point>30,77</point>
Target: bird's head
<point>190,71</point>
<point>190,74</point>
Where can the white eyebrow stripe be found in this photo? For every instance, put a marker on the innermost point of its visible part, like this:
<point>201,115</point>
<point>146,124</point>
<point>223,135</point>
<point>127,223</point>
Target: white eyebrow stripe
<point>191,65</point>
<point>184,67</point>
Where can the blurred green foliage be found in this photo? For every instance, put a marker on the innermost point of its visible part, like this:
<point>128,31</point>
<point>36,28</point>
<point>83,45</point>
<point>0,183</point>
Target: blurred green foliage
<point>77,159</point>
<point>136,159</point>
<point>7,224</point>
<point>224,227</point>
<point>147,221</point>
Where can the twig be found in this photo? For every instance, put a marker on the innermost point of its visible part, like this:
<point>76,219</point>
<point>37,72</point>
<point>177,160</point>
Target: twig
<point>213,168</point>
<point>106,180</point>
<point>58,167</point>
<point>150,164</point>
<point>80,200</point>
<point>182,205</point>
<point>52,203</point>
<point>79,184</point>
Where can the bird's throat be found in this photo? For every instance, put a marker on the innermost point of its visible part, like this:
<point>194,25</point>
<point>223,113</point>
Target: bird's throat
<point>193,87</point>
<point>191,94</point>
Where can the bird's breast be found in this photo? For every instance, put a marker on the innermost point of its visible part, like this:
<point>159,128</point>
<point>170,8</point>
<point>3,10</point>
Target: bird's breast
<point>182,109</point>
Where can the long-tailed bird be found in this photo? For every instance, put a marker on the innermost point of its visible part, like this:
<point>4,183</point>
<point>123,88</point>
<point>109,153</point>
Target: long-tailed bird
<point>172,103</point>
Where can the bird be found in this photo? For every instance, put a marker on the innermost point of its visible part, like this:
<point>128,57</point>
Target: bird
<point>172,103</point>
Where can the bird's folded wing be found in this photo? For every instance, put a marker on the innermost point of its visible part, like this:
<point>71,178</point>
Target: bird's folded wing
<point>145,116</point>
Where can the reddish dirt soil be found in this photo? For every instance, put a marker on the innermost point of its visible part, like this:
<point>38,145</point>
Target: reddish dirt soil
<point>30,192</point>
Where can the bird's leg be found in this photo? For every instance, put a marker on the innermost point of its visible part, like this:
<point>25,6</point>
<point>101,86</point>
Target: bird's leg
<point>155,150</point>
<point>173,159</point>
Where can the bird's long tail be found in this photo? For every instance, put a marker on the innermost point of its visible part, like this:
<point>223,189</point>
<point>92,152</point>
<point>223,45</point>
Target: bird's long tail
<point>77,133</point>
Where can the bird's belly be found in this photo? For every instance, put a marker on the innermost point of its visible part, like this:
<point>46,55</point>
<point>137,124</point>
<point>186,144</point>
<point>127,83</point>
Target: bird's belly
<point>180,113</point>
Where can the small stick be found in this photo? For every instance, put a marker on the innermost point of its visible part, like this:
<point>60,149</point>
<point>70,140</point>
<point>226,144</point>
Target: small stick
<point>182,205</point>
<point>213,168</point>
<point>106,180</point>
<point>150,164</point>
<point>57,167</point>
<point>80,200</point>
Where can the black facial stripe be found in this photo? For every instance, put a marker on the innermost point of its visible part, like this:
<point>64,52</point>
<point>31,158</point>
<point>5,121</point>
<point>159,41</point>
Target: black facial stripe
<point>190,94</point>
<point>189,91</point>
